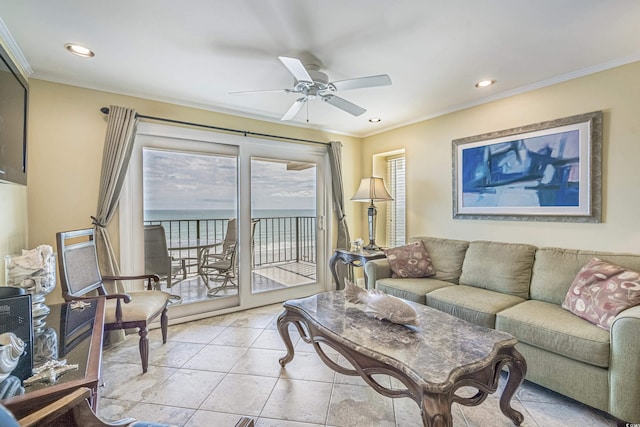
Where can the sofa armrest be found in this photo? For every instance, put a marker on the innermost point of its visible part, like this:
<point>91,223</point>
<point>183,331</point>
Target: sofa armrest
<point>624,366</point>
<point>377,269</point>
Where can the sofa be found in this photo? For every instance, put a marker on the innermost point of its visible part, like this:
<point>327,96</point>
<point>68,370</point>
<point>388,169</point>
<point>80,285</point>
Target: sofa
<point>519,289</point>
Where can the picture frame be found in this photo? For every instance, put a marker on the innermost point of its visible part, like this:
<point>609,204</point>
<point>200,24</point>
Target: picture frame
<point>548,171</point>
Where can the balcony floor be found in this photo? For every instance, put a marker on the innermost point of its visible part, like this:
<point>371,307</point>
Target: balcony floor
<point>263,279</point>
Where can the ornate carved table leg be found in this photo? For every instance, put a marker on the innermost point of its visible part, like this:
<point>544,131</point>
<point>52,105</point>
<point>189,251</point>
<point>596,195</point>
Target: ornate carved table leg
<point>517,371</point>
<point>436,410</point>
<point>283,329</point>
<point>332,266</point>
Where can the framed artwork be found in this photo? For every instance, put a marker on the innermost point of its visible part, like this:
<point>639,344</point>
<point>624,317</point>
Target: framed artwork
<point>549,171</point>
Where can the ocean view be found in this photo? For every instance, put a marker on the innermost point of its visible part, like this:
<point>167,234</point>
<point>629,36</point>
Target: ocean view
<point>193,214</point>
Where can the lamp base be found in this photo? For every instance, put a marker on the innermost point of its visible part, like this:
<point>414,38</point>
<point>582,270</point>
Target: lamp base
<point>372,247</point>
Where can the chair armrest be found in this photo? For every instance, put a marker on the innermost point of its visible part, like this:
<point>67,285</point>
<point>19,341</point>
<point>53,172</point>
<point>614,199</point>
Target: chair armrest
<point>624,369</point>
<point>149,277</point>
<point>55,409</point>
<point>125,297</point>
<point>77,403</point>
<point>375,270</point>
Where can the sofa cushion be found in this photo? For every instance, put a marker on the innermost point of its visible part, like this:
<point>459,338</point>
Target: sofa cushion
<point>410,260</point>
<point>555,269</point>
<point>472,304</point>
<point>410,289</point>
<point>601,290</point>
<point>500,267</point>
<point>446,256</point>
<point>549,327</point>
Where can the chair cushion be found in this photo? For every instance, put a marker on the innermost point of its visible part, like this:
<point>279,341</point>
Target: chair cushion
<point>472,304</point>
<point>549,327</point>
<point>410,289</point>
<point>143,305</point>
<point>411,260</point>
<point>601,290</point>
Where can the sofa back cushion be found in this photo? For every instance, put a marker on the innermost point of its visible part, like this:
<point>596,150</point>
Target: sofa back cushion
<point>500,267</point>
<point>446,255</point>
<point>555,269</point>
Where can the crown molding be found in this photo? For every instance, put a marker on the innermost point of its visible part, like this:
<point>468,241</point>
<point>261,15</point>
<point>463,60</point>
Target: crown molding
<point>16,54</point>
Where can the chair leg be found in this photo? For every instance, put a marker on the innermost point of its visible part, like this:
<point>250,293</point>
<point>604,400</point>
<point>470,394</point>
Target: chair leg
<point>164,324</point>
<point>144,348</point>
<point>224,285</point>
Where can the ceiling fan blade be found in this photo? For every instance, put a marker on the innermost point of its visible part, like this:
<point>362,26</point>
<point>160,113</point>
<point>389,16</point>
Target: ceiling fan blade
<point>344,105</point>
<point>249,92</point>
<point>294,109</point>
<point>296,68</point>
<point>362,82</point>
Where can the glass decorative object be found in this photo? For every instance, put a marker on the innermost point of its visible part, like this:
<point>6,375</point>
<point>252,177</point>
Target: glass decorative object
<point>35,272</point>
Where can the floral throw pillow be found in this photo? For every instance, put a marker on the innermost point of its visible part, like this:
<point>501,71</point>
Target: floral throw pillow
<point>411,260</point>
<point>601,290</point>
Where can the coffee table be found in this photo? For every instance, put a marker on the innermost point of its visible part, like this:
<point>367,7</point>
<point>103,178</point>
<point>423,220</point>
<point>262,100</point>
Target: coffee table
<point>432,361</point>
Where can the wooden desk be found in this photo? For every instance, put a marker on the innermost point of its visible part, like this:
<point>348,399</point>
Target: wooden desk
<point>79,340</point>
<point>354,259</point>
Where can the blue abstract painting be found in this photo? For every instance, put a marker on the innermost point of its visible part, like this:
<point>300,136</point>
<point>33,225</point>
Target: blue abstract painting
<point>529,172</point>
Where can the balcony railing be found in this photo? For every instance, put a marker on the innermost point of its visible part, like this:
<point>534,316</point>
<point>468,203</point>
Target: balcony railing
<point>276,239</point>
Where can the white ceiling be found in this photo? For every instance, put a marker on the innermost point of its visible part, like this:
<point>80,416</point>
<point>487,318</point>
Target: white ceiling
<point>195,52</point>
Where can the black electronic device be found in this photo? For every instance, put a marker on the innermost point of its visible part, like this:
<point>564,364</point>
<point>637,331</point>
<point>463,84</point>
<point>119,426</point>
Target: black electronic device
<point>15,316</point>
<point>14,93</point>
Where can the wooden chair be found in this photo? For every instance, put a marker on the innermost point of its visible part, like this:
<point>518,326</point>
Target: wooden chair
<point>80,276</point>
<point>74,410</point>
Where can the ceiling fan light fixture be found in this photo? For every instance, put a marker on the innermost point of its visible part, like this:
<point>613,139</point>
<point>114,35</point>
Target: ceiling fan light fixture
<point>485,83</point>
<point>79,50</point>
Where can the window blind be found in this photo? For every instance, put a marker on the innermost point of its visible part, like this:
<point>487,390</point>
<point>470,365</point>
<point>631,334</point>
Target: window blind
<point>396,210</point>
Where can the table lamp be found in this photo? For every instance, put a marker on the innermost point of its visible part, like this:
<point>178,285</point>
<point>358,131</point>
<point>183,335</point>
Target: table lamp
<point>372,189</point>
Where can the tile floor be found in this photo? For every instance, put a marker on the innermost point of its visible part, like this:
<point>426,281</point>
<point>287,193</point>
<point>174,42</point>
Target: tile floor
<point>213,371</point>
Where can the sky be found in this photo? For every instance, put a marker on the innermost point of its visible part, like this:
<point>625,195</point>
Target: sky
<point>186,181</point>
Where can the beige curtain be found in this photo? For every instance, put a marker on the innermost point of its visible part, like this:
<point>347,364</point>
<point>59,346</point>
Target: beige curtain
<point>118,146</point>
<point>335,160</point>
<point>343,241</point>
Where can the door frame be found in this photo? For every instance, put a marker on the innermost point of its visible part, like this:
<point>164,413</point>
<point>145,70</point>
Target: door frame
<point>131,210</point>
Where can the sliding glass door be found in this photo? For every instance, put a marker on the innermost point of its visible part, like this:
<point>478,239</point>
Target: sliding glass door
<point>284,213</point>
<point>212,193</point>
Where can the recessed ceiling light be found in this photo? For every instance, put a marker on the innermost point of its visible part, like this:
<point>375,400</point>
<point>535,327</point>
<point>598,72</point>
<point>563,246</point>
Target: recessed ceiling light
<point>485,83</point>
<point>375,120</point>
<point>79,50</point>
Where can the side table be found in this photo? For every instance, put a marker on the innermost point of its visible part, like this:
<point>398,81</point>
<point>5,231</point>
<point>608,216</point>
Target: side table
<point>354,259</point>
<point>78,339</point>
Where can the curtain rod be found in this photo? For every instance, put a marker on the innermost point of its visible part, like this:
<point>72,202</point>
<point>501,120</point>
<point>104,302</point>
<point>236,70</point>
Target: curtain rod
<point>105,110</point>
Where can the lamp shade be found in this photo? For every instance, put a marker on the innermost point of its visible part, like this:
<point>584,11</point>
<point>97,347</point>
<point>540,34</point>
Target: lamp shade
<point>372,189</point>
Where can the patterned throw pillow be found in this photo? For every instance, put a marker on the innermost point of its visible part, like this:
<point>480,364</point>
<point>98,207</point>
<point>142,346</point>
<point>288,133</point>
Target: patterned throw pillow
<point>601,290</point>
<point>411,260</point>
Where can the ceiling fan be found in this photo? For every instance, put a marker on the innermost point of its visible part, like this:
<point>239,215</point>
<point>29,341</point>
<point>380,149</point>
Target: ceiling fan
<point>312,83</point>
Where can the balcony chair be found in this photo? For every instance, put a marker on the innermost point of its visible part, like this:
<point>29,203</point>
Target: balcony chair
<point>224,265</point>
<point>80,276</point>
<point>74,410</point>
<point>157,259</point>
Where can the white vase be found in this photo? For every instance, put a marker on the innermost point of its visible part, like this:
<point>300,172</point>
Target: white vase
<point>38,283</point>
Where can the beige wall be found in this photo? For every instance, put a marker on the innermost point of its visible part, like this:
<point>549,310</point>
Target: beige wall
<point>67,134</point>
<point>13,221</point>
<point>428,151</point>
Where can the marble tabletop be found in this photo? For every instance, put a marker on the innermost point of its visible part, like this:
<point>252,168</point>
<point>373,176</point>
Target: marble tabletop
<point>433,354</point>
